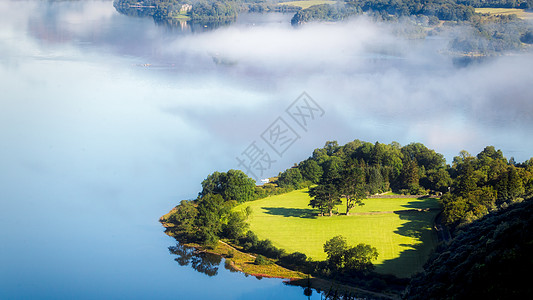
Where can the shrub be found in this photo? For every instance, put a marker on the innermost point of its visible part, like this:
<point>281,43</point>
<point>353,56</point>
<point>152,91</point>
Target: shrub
<point>230,253</point>
<point>260,260</point>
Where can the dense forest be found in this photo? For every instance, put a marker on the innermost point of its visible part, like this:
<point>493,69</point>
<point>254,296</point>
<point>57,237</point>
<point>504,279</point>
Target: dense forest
<point>484,187</point>
<point>498,3</point>
<point>447,10</point>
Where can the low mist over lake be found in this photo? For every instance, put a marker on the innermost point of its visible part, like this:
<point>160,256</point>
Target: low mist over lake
<point>107,121</point>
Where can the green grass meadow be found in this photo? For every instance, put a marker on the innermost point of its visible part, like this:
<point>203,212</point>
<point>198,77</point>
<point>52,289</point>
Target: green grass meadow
<point>520,13</point>
<point>403,239</point>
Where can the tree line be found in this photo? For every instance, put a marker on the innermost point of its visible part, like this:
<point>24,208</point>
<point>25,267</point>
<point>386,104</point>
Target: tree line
<point>469,188</point>
<point>446,10</point>
<point>160,10</point>
<point>359,169</point>
<point>484,183</point>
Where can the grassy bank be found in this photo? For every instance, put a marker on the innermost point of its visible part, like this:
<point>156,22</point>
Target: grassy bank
<point>521,13</point>
<point>402,235</point>
<point>307,3</point>
<point>244,262</point>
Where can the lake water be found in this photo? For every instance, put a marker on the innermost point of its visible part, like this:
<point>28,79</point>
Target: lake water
<point>108,121</point>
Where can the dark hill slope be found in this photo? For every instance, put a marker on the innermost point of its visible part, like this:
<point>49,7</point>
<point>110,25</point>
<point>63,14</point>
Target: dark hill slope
<point>491,258</point>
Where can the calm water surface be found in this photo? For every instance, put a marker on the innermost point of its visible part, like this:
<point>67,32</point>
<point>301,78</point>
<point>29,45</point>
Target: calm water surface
<point>107,121</point>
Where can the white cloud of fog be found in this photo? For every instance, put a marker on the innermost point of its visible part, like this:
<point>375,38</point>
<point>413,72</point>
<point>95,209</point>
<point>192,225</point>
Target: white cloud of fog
<point>362,72</point>
<point>281,46</point>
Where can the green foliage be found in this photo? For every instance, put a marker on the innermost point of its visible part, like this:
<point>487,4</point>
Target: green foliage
<point>496,3</point>
<point>427,158</point>
<point>482,184</point>
<point>473,186</point>
<point>325,197</point>
<point>345,258</point>
<point>239,186</point>
<point>236,225</point>
<point>360,257</point>
<point>438,180</point>
<point>208,220</point>
<point>251,243</point>
<point>295,260</point>
<point>230,253</point>
<point>323,12</point>
<point>211,209</point>
<point>509,185</point>
<point>262,261</point>
<point>332,168</point>
<point>410,174</point>
<point>352,185</point>
<point>359,169</point>
<point>334,249</point>
<point>449,10</point>
<point>214,10</point>
<point>232,185</point>
<point>184,217</point>
<point>269,189</point>
<point>291,179</point>
<point>310,170</point>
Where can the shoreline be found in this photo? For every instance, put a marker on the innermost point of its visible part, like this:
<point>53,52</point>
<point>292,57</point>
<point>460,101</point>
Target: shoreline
<point>243,262</point>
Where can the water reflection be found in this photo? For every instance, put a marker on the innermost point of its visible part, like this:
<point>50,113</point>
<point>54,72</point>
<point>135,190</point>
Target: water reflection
<point>188,26</point>
<point>203,262</point>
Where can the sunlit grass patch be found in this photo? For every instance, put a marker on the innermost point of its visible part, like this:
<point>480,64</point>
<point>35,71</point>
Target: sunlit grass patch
<point>521,13</point>
<point>403,238</point>
<point>307,3</point>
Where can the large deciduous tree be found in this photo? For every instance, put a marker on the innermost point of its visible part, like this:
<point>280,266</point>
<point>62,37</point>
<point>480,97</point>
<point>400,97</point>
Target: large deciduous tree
<point>211,208</point>
<point>231,185</point>
<point>334,249</point>
<point>325,197</point>
<point>344,258</point>
<point>352,185</point>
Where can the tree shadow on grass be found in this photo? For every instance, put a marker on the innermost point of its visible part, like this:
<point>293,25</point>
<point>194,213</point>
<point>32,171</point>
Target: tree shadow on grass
<point>431,203</point>
<point>291,212</point>
<point>418,223</point>
<point>419,226</point>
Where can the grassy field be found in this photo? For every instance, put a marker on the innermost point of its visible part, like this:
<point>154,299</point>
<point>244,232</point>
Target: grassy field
<point>521,13</point>
<point>403,239</point>
<point>306,4</point>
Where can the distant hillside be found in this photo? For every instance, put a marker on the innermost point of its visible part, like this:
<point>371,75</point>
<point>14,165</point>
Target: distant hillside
<point>488,259</point>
